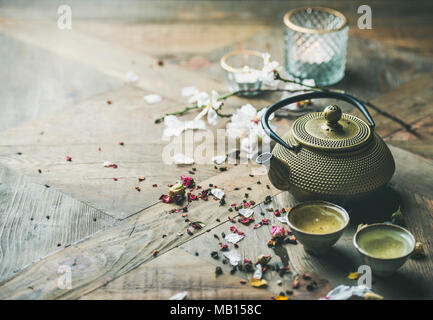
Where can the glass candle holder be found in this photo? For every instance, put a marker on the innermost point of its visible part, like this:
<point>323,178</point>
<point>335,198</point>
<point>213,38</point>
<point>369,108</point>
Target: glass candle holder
<point>315,44</point>
<point>243,68</point>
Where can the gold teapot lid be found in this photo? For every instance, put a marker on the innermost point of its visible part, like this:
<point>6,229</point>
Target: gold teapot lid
<point>331,130</point>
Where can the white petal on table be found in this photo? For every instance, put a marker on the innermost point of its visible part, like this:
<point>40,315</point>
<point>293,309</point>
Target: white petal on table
<point>343,292</point>
<point>174,126</point>
<point>234,237</point>
<point>246,212</point>
<point>258,273</point>
<point>217,193</point>
<point>180,158</point>
<point>152,98</point>
<point>108,164</point>
<point>219,159</point>
<point>283,219</point>
<point>233,256</point>
<point>179,296</point>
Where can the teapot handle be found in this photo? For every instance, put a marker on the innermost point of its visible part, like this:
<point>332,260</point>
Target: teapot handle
<point>306,96</point>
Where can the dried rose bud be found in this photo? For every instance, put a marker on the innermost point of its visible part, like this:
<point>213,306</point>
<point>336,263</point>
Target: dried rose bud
<point>155,252</point>
<point>296,283</point>
<point>121,143</point>
<point>142,178</point>
<point>277,232</point>
<point>224,247</point>
<point>68,158</point>
<point>178,188</point>
<point>137,188</point>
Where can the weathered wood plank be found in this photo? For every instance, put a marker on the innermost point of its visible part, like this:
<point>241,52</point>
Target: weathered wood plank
<point>128,244</point>
<point>111,254</point>
<point>173,272</point>
<point>79,132</point>
<point>36,221</point>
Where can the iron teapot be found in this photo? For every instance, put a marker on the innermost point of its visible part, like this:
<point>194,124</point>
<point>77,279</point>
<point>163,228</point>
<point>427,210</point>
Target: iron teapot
<point>329,155</point>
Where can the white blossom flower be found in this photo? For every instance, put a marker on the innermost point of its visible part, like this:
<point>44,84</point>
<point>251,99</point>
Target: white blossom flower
<point>245,125</point>
<point>174,126</point>
<point>210,105</point>
<point>267,74</point>
<point>201,98</point>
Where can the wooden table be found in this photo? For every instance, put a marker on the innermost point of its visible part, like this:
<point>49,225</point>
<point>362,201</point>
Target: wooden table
<point>58,214</point>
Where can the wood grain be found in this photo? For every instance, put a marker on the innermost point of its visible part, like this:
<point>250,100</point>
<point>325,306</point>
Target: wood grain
<point>36,221</point>
<point>128,244</point>
<point>177,271</point>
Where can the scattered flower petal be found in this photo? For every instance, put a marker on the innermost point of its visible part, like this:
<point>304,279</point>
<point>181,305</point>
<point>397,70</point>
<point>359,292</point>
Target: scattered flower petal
<point>219,159</point>
<point>218,193</point>
<point>343,292</point>
<point>174,126</point>
<point>233,256</point>
<point>179,296</point>
<point>131,77</point>
<point>258,273</point>
<point>246,212</point>
<point>180,158</point>
<point>234,237</point>
<point>152,98</point>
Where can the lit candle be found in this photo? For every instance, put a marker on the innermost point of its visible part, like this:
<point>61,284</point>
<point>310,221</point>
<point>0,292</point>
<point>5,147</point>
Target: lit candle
<point>242,70</point>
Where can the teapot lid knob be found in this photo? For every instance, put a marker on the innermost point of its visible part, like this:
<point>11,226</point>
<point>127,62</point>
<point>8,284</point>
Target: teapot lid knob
<point>332,114</point>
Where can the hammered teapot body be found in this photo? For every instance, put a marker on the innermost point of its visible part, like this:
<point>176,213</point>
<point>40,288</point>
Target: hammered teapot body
<point>329,155</point>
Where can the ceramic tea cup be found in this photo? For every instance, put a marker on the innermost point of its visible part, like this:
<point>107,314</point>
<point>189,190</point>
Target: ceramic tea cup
<point>317,224</point>
<point>384,247</point>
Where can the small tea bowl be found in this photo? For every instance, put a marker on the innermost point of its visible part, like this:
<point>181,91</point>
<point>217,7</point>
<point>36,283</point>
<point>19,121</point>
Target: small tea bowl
<point>384,247</point>
<point>317,224</point>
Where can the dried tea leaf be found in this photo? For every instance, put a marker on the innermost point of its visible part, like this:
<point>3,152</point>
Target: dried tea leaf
<point>397,216</point>
<point>219,159</point>
<point>198,225</point>
<point>360,226</point>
